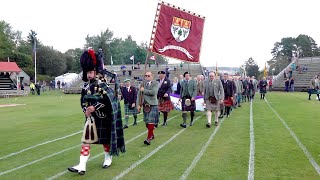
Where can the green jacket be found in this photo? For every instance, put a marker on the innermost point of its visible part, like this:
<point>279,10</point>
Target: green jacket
<point>191,87</point>
<point>150,93</point>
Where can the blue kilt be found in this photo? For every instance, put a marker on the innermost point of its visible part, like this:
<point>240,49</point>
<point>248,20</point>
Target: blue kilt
<point>313,91</point>
<point>152,116</point>
<point>191,108</point>
<point>128,111</point>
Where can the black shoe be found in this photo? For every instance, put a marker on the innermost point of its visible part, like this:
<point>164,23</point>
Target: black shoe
<point>71,169</point>
<point>191,123</point>
<point>156,125</point>
<point>216,123</point>
<point>239,105</point>
<point>183,125</point>
<point>208,125</point>
<point>105,166</point>
<point>221,116</point>
<point>134,124</point>
<point>164,124</point>
<point>147,142</point>
<point>125,127</point>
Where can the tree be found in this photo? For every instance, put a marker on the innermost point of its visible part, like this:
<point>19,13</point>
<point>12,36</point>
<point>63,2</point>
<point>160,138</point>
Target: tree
<point>75,54</point>
<point>289,47</point>
<point>251,67</point>
<point>50,62</point>
<point>6,40</point>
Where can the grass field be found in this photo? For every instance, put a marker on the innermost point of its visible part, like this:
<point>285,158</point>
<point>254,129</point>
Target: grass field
<point>40,139</point>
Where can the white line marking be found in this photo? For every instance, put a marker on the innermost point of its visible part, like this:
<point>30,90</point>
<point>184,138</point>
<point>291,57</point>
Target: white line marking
<point>44,143</point>
<point>252,147</point>
<point>200,154</point>
<point>304,149</point>
<point>94,157</point>
<point>150,154</point>
<point>47,142</point>
<point>46,157</point>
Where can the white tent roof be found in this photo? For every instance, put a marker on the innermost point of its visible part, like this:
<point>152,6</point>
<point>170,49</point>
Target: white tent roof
<point>66,78</point>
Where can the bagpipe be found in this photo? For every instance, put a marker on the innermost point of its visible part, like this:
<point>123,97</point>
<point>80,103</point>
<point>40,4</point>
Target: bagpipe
<point>102,86</point>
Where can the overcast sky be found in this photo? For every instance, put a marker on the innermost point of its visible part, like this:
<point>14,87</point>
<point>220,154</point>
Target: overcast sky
<point>234,29</point>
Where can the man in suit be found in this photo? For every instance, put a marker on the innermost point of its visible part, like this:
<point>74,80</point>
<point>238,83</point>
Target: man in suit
<point>165,104</point>
<point>188,95</point>
<point>229,91</point>
<point>147,97</point>
<point>213,96</point>
<point>129,94</point>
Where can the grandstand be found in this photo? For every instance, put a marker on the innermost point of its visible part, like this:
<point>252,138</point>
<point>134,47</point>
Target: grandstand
<point>136,74</point>
<point>301,80</point>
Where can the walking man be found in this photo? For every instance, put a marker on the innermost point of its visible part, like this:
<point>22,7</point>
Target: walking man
<point>147,98</point>
<point>129,94</point>
<point>165,104</point>
<point>103,117</point>
<point>213,96</point>
<point>188,95</point>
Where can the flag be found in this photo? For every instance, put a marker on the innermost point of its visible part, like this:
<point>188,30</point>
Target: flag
<point>153,57</point>
<point>35,46</point>
<point>216,68</point>
<point>177,33</point>
<point>132,58</point>
<point>265,72</point>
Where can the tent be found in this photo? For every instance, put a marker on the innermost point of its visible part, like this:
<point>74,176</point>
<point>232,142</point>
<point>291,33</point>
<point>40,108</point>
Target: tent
<point>65,78</point>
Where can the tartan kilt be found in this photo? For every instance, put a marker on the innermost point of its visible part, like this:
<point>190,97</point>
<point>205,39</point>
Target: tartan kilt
<point>103,129</point>
<point>313,91</point>
<point>165,106</point>
<point>228,102</point>
<point>263,90</point>
<point>128,111</point>
<point>191,108</point>
<point>152,116</point>
<point>212,107</point>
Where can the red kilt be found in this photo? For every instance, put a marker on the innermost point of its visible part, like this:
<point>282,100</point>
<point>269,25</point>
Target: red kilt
<point>228,102</point>
<point>165,106</point>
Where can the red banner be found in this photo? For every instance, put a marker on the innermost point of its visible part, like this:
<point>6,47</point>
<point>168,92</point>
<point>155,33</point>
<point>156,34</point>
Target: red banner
<point>178,34</point>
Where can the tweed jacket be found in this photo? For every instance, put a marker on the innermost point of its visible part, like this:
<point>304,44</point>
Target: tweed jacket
<point>150,93</point>
<point>190,86</point>
<point>217,89</point>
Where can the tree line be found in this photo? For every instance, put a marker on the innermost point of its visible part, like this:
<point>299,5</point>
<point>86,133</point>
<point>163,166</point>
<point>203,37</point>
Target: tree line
<point>52,63</point>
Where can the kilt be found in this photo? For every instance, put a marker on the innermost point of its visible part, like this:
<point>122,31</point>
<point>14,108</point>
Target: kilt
<point>212,107</point>
<point>128,111</point>
<point>313,91</point>
<point>103,129</point>
<point>228,102</point>
<point>165,106</point>
<point>191,108</point>
<point>152,116</point>
<point>263,90</point>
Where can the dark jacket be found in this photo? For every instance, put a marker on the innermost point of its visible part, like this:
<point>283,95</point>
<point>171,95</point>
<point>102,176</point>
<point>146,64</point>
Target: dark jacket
<point>165,87</point>
<point>228,87</point>
<point>129,97</point>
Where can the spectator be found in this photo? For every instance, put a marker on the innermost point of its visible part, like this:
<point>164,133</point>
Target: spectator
<point>270,84</point>
<point>175,85</point>
<point>287,85</point>
<point>291,85</point>
<point>32,88</point>
<point>304,68</point>
<point>38,88</point>
<point>58,84</point>
<point>181,65</point>
<point>175,68</point>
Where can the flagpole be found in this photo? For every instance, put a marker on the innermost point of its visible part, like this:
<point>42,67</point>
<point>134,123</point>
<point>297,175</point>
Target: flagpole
<point>111,62</point>
<point>35,61</point>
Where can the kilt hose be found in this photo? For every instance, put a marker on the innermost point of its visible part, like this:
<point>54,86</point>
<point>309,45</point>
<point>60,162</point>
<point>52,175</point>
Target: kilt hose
<point>165,105</point>
<point>129,111</point>
<point>152,116</point>
<point>191,108</point>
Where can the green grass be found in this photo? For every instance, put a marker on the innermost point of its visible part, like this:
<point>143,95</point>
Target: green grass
<point>53,115</point>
